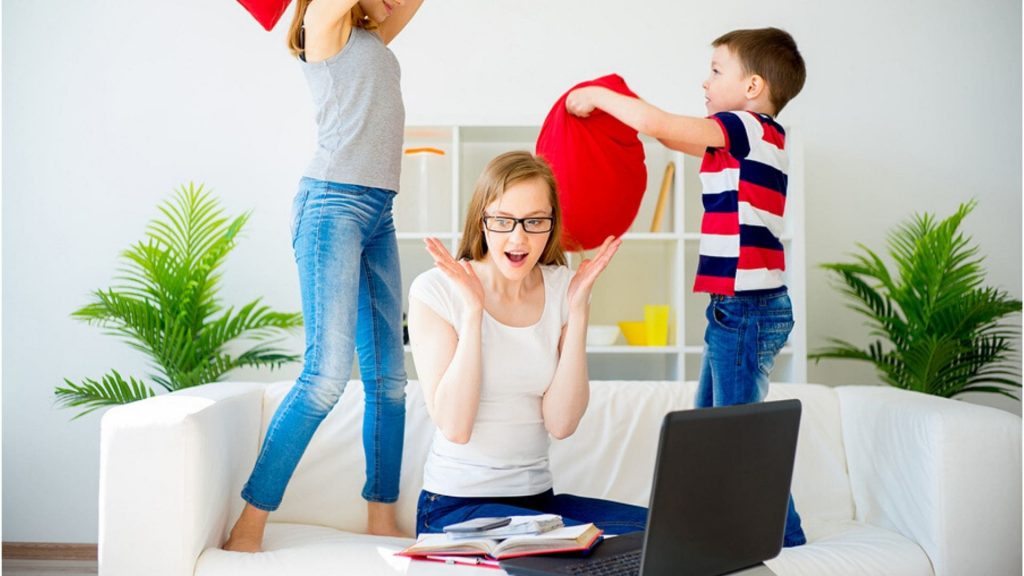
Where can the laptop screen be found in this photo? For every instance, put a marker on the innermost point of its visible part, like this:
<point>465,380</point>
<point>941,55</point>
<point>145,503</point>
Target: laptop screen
<point>721,488</point>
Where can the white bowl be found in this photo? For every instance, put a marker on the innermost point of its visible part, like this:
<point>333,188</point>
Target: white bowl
<point>602,335</point>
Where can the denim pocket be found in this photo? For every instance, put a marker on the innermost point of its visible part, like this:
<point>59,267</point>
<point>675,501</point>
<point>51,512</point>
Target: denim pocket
<point>728,316</point>
<point>772,334</point>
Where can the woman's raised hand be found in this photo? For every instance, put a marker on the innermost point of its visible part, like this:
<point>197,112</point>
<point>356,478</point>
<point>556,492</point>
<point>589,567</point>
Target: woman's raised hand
<point>589,270</point>
<point>459,271</point>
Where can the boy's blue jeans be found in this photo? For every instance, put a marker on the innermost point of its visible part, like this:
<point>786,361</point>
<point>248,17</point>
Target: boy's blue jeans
<point>435,511</point>
<point>744,334</point>
<point>347,256</point>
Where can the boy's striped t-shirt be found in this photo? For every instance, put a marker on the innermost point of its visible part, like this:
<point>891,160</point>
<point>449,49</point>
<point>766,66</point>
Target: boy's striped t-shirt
<point>744,199</point>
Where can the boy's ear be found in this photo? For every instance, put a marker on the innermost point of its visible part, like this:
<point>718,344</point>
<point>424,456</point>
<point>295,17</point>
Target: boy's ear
<point>756,86</point>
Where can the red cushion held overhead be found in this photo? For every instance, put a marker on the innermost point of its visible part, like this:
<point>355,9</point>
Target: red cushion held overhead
<point>599,164</point>
<point>266,12</point>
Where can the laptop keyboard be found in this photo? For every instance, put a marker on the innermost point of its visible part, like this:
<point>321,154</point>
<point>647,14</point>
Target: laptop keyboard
<point>626,564</point>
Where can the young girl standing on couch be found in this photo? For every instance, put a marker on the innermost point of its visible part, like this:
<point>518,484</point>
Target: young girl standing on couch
<point>499,341</point>
<point>347,256</point>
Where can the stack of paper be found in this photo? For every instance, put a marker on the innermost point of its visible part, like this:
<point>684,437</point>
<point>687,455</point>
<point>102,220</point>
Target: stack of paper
<point>534,524</point>
<point>440,548</point>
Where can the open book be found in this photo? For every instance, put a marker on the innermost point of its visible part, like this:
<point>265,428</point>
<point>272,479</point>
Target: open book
<point>565,539</point>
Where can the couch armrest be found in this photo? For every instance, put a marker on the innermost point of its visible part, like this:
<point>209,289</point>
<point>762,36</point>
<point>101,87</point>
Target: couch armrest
<point>170,471</point>
<point>944,473</point>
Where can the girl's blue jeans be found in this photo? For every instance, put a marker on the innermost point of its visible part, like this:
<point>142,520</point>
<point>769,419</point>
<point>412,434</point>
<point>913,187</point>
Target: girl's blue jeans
<point>347,256</point>
<point>435,511</point>
<point>744,334</point>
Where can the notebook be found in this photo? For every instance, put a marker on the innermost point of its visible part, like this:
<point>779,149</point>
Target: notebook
<point>718,500</point>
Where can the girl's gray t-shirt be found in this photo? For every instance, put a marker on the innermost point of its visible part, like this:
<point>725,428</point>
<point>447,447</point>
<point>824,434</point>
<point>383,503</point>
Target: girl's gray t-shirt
<point>360,117</point>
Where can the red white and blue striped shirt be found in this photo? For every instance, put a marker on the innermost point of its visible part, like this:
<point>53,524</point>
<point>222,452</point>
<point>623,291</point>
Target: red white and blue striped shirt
<point>744,200</point>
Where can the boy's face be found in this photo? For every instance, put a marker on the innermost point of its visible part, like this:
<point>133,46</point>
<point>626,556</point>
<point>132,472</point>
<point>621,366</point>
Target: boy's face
<point>725,90</point>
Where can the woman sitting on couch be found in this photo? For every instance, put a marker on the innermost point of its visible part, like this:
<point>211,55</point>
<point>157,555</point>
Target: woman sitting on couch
<point>499,341</point>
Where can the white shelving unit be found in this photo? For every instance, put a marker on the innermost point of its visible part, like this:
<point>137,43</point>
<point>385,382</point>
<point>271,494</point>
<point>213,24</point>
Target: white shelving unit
<point>650,268</point>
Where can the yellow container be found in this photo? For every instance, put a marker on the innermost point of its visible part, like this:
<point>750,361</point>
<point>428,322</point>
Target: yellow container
<point>635,332</point>
<point>656,325</point>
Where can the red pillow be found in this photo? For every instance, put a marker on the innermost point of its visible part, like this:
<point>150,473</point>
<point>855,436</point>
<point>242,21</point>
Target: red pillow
<point>599,164</point>
<point>266,12</point>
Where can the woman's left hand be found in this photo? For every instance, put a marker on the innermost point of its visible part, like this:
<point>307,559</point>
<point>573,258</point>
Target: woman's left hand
<point>588,271</point>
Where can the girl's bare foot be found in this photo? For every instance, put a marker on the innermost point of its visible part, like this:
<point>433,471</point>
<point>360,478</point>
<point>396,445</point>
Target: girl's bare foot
<point>381,520</point>
<point>247,534</point>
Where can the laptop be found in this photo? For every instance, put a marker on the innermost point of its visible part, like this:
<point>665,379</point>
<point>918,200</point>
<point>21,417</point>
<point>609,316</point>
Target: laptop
<point>718,501</point>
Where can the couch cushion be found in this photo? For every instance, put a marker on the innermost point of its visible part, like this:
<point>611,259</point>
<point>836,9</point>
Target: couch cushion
<point>328,481</point>
<point>309,551</point>
<point>612,453</point>
<point>850,548</point>
<point>624,415</point>
<point>821,482</point>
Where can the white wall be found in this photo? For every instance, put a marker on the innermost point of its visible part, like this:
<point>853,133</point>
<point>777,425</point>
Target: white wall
<point>909,106</point>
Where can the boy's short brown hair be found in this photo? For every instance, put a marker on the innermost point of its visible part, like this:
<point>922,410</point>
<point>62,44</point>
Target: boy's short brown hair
<point>771,54</point>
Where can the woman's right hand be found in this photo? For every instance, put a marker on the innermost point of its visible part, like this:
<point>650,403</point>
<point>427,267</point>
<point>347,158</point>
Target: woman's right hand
<point>459,271</point>
<point>586,274</point>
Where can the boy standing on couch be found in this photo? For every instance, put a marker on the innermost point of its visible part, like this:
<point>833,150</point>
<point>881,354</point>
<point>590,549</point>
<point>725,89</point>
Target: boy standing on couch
<point>754,74</point>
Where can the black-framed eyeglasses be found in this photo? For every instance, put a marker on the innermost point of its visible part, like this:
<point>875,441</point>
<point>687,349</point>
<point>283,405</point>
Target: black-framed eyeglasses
<point>531,225</point>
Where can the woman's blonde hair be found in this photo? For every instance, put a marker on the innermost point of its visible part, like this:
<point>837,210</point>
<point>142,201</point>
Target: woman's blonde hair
<point>296,32</point>
<point>500,173</point>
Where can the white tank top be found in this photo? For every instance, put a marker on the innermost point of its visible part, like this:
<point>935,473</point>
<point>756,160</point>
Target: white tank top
<point>507,453</point>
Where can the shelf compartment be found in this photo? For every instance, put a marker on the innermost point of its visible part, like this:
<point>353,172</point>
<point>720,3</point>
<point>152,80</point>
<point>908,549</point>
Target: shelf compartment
<point>633,366</point>
<point>424,201</point>
<point>637,276</point>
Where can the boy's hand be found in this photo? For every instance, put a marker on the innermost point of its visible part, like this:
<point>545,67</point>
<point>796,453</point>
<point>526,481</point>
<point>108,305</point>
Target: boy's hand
<point>580,102</point>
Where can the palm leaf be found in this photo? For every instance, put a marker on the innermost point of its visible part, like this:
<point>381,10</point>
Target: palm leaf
<point>112,389</point>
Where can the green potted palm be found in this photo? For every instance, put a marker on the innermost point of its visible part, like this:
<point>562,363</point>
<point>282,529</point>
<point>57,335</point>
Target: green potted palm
<point>166,305</point>
<point>934,326</point>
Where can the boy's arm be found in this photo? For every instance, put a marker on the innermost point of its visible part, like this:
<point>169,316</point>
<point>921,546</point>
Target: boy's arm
<point>684,147</point>
<point>685,133</point>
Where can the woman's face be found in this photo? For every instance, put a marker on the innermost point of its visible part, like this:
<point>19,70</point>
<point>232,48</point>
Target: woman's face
<point>516,253</point>
<point>379,10</point>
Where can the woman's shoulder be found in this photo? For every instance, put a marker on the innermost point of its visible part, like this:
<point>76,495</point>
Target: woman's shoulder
<point>432,279</point>
<point>435,290</point>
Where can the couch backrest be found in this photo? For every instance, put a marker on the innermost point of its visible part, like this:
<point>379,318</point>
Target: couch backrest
<point>611,455</point>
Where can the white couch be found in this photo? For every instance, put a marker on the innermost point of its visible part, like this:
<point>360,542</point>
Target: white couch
<point>888,482</point>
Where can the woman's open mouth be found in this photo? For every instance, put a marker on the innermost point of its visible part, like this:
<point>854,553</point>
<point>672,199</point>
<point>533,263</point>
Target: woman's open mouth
<point>516,257</point>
